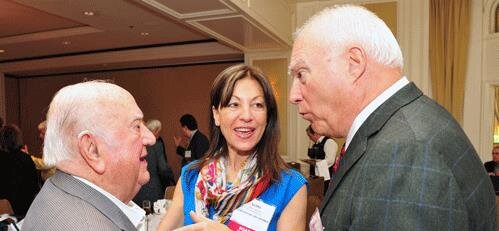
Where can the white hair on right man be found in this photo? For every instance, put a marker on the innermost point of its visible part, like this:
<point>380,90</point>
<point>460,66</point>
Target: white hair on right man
<point>344,25</point>
<point>75,109</point>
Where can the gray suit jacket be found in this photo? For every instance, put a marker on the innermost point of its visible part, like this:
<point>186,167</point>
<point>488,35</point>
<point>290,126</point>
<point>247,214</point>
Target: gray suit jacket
<point>65,203</point>
<point>410,167</point>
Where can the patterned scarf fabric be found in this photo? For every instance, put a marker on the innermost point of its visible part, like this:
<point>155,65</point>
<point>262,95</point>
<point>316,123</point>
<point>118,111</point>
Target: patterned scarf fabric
<point>212,188</point>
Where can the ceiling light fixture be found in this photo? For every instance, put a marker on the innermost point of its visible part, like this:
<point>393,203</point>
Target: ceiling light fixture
<point>66,43</point>
<point>89,13</point>
<point>144,33</point>
<point>2,51</point>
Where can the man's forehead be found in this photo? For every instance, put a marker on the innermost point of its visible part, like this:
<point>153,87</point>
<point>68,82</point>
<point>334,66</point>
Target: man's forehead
<point>124,107</point>
<point>296,62</point>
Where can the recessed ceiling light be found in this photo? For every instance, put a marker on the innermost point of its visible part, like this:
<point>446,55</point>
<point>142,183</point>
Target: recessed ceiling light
<point>2,51</point>
<point>89,13</point>
<point>66,42</point>
<point>144,33</point>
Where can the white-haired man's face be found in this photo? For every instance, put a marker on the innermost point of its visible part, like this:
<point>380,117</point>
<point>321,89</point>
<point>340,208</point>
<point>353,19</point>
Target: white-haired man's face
<point>124,146</point>
<point>321,87</point>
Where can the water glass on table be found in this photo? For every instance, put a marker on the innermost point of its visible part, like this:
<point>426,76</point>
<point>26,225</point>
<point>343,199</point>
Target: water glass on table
<point>146,205</point>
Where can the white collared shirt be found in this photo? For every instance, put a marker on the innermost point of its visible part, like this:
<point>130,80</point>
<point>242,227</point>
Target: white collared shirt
<point>372,106</point>
<point>135,213</point>
<point>330,149</point>
<point>192,135</point>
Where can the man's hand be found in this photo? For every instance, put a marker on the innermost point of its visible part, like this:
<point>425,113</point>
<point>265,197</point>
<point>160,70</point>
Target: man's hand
<point>177,140</point>
<point>202,224</point>
<point>24,148</point>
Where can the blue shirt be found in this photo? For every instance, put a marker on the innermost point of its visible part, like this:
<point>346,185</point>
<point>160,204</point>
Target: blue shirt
<point>278,194</point>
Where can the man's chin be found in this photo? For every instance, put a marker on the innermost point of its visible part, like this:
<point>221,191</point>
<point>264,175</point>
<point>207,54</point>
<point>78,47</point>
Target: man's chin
<point>144,179</point>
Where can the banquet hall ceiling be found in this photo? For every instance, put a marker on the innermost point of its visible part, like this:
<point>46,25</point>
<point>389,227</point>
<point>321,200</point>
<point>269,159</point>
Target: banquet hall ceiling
<point>43,37</point>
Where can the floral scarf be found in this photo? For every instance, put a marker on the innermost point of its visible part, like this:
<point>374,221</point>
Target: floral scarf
<point>212,188</point>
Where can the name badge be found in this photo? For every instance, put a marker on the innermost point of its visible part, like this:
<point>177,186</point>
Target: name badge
<point>188,154</point>
<point>254,215</point>
<point>316,222</point>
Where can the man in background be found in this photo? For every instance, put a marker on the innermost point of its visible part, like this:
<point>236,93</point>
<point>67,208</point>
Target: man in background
<point>490,166</point>
<point>161,175</point>
<point>324,150</point>
<point>408,164</point>
<point>19,177</point>
<point>194,144</point>
<point>97,140</point>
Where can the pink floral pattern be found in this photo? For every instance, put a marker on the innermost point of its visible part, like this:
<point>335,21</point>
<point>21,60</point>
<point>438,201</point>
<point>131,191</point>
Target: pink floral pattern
<point>212,188</point>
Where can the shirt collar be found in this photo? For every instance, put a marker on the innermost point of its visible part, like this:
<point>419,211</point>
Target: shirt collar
<point>372,106</point>
<point>135,213</point>
<point>320,139</point>
<point>192,134</point>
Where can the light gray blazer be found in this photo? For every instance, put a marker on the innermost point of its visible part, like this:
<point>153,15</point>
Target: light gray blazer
<point>65,203</point>
<point>410,167</point>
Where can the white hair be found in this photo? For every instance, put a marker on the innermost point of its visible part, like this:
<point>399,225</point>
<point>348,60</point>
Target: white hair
<point>344,25</point>
<point>153,125</point>
<point>75,109</point>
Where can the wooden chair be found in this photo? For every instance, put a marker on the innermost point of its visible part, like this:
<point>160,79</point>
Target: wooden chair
<point>5,207</point>
<point>169,192</point>
<point>314,196</point>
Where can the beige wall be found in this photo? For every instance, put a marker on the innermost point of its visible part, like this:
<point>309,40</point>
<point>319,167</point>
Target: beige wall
<point>276,72</point>
<point>386,11</point>
<point>162,93</point>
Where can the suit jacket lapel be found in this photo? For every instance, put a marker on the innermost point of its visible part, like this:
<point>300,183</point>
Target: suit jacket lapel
<point>193,139</point>
<point>81,190</point>
<point>373,124</point>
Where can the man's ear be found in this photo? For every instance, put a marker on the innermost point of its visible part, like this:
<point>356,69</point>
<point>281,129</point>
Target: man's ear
<point>87,146</point>
<point>215,115</point>
<point>356,62</point>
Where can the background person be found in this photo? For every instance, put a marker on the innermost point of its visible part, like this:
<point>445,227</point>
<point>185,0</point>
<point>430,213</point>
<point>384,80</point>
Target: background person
<point>325,148</point>
<point>242,162</point>
<point>161,175</point>
<point>19,177</point>
<point>490,166</point>
<point>97,140</point>
<point>408,164</point>
<point>45,171</point>
<point>196,143</point>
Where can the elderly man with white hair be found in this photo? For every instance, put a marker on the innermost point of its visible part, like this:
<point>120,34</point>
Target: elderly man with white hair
<point>406,163</point>
<point>97,140</point>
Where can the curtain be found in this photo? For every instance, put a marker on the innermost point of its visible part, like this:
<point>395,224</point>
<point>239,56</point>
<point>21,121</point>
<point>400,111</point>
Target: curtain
<point>496,108</point>
<point>497,19</point>
<point>449,36</point>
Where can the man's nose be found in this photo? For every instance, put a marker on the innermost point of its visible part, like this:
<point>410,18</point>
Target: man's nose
<point>148,138</point>
<point>246,114</point>
<point>295,93</point>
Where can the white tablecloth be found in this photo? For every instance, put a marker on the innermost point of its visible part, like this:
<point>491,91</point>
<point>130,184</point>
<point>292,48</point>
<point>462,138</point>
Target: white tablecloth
<point>153,221</point>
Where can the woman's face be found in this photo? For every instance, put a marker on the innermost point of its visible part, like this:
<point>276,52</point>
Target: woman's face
<point>243,120</point>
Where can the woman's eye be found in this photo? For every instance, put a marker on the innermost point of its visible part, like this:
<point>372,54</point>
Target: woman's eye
<point>233,105</point>
<point>259,105</point>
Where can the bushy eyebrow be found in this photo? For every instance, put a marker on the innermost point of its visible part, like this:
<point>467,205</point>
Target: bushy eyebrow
<point>138,117</point>
<point>294,66</point>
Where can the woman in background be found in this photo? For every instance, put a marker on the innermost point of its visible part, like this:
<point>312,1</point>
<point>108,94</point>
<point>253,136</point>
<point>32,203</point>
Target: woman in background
<point>242,163</point>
